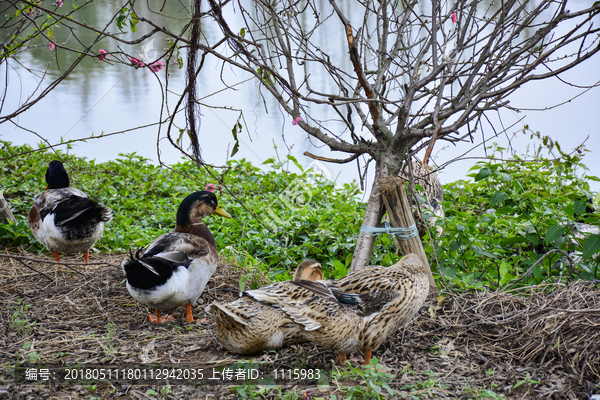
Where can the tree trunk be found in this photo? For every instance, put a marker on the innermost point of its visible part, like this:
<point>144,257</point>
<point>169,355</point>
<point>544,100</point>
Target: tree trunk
<point>5,213</point>
<point>373,215</point>
<point>401,216</point>
<point>365,242</point>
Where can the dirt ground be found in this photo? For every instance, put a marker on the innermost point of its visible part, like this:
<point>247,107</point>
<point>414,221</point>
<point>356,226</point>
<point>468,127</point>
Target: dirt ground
<point>540,343</point>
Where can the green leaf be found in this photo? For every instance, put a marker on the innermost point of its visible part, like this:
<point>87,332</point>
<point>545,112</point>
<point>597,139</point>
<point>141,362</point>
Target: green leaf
<point>340,269</point>
<point>482,253</point>
<point>234,131</point>
<point>579,207</point>
<point>133,22</point>
<point>455,245</point>
<point>534,238</point>
<point>570,210</point>
<point>119,21</point>
<point>553,233</point>
<point>489,393</point>
<point>235,149</point>
<point>498,198</point>
<point>483,173</point>
<point>591,246</point>
<point>511,240</point>
<point>243,280</point>
<point>505,177</point>
<point>296,163</point>
<point>503,269</point>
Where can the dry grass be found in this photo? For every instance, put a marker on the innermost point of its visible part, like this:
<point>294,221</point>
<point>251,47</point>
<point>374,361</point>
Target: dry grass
<point>471,342</point>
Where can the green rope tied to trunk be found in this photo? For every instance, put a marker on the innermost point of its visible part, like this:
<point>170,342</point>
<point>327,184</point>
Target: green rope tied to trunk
<point>400,233</point>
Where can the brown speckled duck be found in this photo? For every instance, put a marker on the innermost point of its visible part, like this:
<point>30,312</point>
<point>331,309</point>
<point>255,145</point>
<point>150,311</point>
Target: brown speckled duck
<point>175,268</point>
<point>354,313</point>
<point>247,326</point>
<point>63,218</point>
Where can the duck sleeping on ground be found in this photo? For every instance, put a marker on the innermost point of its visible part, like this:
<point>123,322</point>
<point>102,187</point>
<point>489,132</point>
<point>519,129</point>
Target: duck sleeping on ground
<point>357,312</point>
<point>248,326</point>
<point>63,218</point>
<point>175,268</point>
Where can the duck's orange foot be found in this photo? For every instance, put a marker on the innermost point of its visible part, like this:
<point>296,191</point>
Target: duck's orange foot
<point>368,354</point>
<point>188,313</point>
<point>341,358</point>
<point>158,319</point>
<point>57,258</point>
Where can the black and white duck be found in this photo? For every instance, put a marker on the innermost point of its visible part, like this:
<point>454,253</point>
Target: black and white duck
<point>175,268</point>
<point>63,218</point>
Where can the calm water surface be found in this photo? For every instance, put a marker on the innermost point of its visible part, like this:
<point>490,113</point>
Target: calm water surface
<point>104,97</point>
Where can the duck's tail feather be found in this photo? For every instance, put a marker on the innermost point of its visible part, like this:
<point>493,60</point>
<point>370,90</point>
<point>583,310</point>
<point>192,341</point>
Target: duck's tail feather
<point>76,212</point>
<point>225,311</point>
<point>146,272</point>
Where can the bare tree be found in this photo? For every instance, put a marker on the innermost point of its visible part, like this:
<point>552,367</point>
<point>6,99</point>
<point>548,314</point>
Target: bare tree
<point>415,73</point>
<point>418,71</point>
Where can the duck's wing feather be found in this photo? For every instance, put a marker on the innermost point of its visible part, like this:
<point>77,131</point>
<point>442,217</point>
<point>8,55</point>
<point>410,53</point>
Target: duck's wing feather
<point>319,311</point>
<point>380,286</point>
<point>76,212</point>
<point>164,256</point>
<point>63,216</point>
<point>279,293</point>
<point>292,300</point>
<point>234,310</point>
<point>329,290</point>
<point>178,247</point>
<point>310,304</point>
<point>48,199</point>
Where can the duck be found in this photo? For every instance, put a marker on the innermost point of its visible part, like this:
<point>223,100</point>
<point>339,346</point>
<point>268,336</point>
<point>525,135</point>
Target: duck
<point>63,218</point>
<point>247,326</point>
<point>175,267</point>
<point>357,312</point>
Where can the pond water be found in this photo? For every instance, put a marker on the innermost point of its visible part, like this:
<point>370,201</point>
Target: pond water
<point>104,97</point>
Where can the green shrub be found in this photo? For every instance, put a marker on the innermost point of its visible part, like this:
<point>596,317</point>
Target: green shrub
<point>512,212</point>
<point>322,224</point>
<point>497,225</point>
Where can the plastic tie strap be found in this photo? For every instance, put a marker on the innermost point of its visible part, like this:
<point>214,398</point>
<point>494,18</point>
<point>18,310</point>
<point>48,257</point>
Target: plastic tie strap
<point>400,233</point>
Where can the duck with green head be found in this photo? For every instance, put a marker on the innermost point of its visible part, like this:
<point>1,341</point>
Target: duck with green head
<point>175,268</point>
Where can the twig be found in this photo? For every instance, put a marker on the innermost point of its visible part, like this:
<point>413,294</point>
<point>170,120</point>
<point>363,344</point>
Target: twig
<point>66,264</point>
<point>539,261</point>
<point>39,272</point>
<point>332,160</point>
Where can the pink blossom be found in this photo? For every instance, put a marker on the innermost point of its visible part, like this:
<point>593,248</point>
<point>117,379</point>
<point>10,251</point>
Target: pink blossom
<point>59,3</point>
<point>210,187</point>
<point>296,120</point>
<point>136,62</point>
<point>454,19</point>
<point>52,46</point>
<point>157,66</point>
<point>102,55</point>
